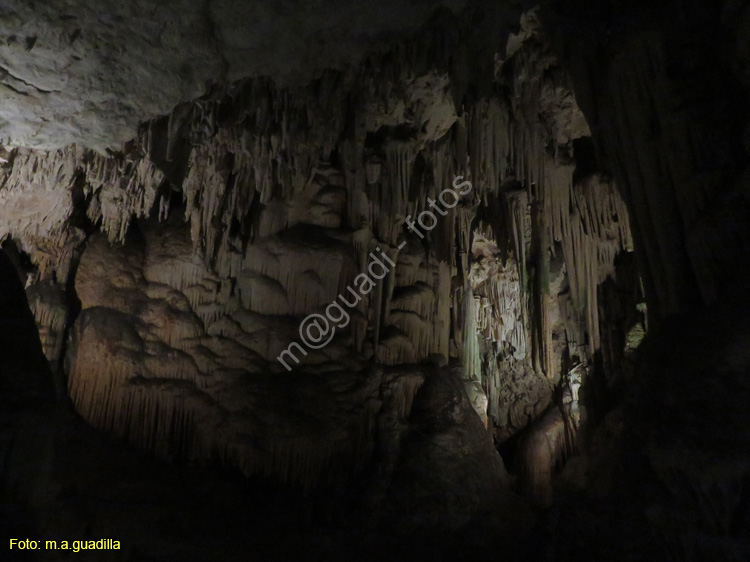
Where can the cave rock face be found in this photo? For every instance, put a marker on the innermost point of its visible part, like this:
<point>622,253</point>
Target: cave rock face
<point>90,71</point>
<point>183,186</point>
<point>170,278</point>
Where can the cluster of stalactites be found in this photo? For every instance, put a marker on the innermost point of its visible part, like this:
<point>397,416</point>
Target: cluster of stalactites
<point>519,152</point>
<point>39,189</point>
<point>590,220</point>
<point>48,303</point>
<point>499,314</point>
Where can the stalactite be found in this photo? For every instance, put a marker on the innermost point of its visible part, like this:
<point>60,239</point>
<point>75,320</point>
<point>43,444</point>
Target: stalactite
<point>592,235</point>
<point>405,389</point>
<point>48,304</point>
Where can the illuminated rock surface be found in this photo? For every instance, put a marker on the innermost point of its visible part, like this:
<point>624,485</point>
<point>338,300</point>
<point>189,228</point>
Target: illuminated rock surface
<point>181,185</point>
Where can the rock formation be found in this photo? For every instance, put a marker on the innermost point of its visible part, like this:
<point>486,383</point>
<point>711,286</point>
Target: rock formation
<point>184,186</point>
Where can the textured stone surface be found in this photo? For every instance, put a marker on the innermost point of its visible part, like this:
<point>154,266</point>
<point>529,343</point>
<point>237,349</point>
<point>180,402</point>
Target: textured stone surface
<point>660,128</point>
<point>90,71</point>
<point>241,214</point>
<point>197,250</point>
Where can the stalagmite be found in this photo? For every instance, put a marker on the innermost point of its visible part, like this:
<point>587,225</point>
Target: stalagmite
<point>544,446</point>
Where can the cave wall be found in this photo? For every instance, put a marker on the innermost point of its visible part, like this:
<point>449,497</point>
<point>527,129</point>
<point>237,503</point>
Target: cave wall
<point>188,259</point>
<point>176,197</point>
<point>171,252</point>
<point>664,88</point>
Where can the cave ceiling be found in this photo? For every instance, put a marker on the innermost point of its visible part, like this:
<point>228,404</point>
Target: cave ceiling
<point>89,71</point>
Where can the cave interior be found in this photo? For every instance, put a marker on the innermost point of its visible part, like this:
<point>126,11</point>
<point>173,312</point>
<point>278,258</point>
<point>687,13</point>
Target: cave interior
<point>439,280</point>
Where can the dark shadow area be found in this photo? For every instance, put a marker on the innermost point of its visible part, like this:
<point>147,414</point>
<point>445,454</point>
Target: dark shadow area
<point>24,371</point>
<point>61,480</point>
<point>669,468</point>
